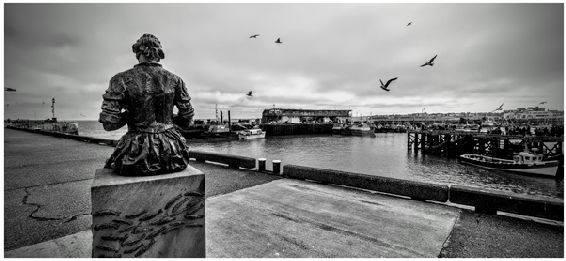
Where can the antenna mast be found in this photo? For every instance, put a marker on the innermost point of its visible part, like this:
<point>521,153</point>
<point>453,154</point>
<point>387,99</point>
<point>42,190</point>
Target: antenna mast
<point>53,107</point>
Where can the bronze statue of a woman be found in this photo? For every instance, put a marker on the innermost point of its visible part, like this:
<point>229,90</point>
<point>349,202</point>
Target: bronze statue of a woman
<point>143,98</point>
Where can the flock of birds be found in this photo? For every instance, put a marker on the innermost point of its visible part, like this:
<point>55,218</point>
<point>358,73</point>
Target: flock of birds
<point>383,86</point>
<point>386,85</point>
<point>278,41</point>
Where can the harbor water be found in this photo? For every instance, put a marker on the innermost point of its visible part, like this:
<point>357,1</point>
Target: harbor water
<point>386,155</point>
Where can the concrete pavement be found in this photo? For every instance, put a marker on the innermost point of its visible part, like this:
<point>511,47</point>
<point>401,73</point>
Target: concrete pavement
<point>291,218</point>
<point>486,236</point>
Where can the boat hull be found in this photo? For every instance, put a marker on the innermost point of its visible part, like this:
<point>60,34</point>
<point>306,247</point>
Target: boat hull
<point>251,137</point>
<point>336,130</point>
<point>362,133</point>
<point>542,169</point>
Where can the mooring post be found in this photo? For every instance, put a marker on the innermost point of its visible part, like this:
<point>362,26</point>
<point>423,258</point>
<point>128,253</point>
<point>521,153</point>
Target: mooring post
<point>408,141</point>
<point>416,143</point>
<point>261,164</point>
<point>423,142</point>
<point>276,166</point>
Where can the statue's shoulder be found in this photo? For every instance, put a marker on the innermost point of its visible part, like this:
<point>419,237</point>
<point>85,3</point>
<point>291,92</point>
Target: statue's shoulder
<point>122,75</point>
<point>169,74</point>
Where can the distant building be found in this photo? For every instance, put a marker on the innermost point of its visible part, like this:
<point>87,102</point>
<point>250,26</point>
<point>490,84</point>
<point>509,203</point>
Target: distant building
<point>437,117</point>
<point>534,114</point>
<point>280,115</point>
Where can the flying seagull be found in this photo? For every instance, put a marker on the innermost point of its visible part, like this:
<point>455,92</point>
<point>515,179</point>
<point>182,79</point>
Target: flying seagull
<point>409,23</point>
<point>431,62</point>
<point>254,36</point>
<point>499,108</point>
<point>541,103</point>
<point>384,87</point>
<point>278,41</point>
<point>249,94</point>
<point>6,89</point>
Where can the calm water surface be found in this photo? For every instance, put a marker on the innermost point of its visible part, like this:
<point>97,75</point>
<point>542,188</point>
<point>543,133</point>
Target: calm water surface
<point>386,155</point>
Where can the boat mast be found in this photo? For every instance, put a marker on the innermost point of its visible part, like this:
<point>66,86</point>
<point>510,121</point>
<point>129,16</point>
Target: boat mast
<point>216,108</point>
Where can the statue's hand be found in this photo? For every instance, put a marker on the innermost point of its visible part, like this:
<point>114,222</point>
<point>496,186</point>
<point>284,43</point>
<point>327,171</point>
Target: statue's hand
<point>124,117</point>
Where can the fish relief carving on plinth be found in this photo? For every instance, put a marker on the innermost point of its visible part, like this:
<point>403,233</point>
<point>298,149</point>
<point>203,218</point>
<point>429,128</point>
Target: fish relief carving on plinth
<point>131,235</point>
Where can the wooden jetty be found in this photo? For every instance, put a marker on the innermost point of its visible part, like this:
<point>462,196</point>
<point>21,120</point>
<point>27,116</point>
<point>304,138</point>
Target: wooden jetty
<point>453,143</point>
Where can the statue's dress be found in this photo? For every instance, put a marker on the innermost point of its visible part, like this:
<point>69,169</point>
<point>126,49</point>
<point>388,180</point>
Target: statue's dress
<point>143,97</point>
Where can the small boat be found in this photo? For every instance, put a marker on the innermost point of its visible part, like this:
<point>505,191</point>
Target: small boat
<point>468,128</point>
<point>250,134</point>
<point>522,163</point>
<point>337,128</point>
<point>362,129</point>
<point>217,130</point>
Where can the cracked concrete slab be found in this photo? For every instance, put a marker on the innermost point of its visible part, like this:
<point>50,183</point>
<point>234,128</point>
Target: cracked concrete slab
<point>22,230</point>
<point>291,218</point>
<point>53,200</point>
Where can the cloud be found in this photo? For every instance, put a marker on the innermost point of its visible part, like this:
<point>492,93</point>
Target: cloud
<point>332,55</point>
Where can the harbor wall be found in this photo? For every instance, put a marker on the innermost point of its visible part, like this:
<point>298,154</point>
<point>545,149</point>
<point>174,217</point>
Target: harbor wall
<point>489,202</point>
<point>110,142</point>
<point>296,129</point>
<point>483,200</point>
<point>233,161</point>
<point>408,188</point>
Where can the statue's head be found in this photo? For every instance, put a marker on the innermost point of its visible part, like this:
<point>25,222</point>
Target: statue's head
<point>148,47</point>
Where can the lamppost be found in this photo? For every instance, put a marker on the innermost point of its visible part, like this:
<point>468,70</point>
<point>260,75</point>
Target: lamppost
<point>6,89</point>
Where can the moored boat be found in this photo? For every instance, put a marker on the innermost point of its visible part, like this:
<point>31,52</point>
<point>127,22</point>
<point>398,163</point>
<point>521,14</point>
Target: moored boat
<point>362,129</point>
<point>468,128</point>
<point>250,134</point>
<point>522,163</point>
<point>218,129</point>
<point>337,128</point>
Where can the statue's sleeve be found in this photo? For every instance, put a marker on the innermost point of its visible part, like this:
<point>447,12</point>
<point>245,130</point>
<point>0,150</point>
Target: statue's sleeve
<point>112,104</point>
<point>183,103</point>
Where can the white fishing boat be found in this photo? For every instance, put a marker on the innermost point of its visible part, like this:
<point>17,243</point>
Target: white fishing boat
<point>250,134</point>
<point>522,163</point>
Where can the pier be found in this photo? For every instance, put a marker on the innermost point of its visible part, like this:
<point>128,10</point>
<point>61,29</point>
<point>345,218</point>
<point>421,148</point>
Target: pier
<point>453,143</point>
<point>253,212</point>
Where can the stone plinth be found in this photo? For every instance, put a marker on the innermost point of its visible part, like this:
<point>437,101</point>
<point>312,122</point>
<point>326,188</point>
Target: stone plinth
<point>152,216</point>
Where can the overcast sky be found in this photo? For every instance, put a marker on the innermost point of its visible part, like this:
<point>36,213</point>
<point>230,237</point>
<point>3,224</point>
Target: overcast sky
<point>332,56</point>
